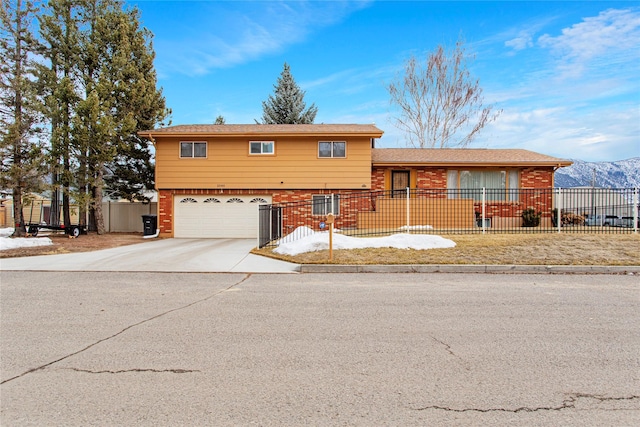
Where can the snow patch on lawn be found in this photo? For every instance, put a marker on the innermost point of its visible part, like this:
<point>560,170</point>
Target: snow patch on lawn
<point>7,242</point>
<point>416,227</point>
<point>304,239</point>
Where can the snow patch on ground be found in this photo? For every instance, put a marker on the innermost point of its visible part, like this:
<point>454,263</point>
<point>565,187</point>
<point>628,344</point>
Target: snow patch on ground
<point>304,239</point>
<point>7,242</point>
<point>416,227</point>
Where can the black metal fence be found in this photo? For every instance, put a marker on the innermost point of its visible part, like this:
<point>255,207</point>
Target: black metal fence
<point>455,211</point>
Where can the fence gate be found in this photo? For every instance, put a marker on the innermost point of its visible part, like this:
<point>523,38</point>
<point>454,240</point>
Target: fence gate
<point>269,224</point>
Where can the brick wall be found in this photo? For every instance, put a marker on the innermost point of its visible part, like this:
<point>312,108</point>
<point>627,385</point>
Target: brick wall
<point>536,178</point>
<point>431,178</point>
<point>377,179</point>
<point>165,203</point>
<point>426,178</point>
<point>165,212</point>
<point>294,217</point>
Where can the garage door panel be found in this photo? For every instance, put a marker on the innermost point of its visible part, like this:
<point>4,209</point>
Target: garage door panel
<point>217,217</point>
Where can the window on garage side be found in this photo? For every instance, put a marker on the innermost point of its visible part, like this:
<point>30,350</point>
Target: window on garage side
<point>261,147</point>
<point>193,149</point>
<point>332,149</point>
<point>322,204</point>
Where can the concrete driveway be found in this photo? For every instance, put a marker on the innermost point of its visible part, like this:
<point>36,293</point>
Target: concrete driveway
<point>165,255</point>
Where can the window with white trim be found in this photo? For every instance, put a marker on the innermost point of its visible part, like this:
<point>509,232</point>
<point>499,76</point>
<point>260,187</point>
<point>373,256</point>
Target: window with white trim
<point>322,204</point>
<point>261,147</point>
<point>332,149</point>
<point>500,185</point>
<point>193,149</point>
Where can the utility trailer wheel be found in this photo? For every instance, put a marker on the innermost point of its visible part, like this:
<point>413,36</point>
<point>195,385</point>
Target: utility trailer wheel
<point>33,230</point>
<point>75,231</point>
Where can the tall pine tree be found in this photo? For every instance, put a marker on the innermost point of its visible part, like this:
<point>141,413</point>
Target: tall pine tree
<point>120,98</point>
<point>22,159</point>
<point>60,32</point>
<point>140,104</point>
<point>103,80</point>
<point>286,105</point>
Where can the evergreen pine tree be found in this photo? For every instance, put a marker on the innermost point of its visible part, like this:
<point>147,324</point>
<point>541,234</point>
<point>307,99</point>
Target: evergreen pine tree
<point>102,90</point>
<point>120,98</point>
<point>59,29</point>
<point>286,105</point>
<point>22,159</point>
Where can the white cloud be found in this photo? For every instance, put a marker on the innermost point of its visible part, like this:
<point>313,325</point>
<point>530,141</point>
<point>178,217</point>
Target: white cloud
<point>248,32</point>
<point>354,80</point>
<point>521,42</point>
<point>567,132</point>
<point>609,38</point>
<point>583,102</point>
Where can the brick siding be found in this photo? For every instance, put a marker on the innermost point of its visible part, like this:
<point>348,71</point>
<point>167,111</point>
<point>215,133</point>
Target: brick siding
<point>426,178</point>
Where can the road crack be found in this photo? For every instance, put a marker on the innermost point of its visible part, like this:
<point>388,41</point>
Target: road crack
<point>46,365</point>
<point>568,403</point>
<point>449,350</point>
<point>124,371</point>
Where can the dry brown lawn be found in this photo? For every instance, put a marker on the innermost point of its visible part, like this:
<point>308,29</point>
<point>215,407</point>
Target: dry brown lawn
<point>505,249</point>
<point>509,249</point>
<point>62,244</point>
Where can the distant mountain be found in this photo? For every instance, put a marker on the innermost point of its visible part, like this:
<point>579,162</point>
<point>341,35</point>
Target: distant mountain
<point>620,174</point>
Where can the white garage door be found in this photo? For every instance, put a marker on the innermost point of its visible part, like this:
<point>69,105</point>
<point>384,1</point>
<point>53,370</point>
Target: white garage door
<point>217,216</point>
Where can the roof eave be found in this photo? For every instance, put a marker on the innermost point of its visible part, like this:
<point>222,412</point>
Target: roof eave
<point>561,163</point>
<point>148,134</point>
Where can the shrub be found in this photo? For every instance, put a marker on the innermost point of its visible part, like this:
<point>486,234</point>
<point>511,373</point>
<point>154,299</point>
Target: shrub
<point>531,218</point>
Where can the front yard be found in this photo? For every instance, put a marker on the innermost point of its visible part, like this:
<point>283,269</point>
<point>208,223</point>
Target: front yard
<point>507,249</point>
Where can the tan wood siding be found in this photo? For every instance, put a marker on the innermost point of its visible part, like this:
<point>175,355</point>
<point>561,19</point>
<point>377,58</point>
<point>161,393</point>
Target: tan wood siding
<point>295,165</point>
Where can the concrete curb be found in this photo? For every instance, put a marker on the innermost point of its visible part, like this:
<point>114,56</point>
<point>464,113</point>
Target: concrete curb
<point>467,268</point>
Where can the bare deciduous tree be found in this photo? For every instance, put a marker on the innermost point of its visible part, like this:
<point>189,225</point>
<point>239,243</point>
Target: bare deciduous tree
<point>441,104</point>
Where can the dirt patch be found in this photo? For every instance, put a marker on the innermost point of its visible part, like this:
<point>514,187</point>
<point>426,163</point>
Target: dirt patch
<point>62,244</point>
<point>501,249</point>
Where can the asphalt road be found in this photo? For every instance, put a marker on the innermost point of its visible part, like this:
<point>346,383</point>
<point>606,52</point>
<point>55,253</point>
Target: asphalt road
<point>319,349</point>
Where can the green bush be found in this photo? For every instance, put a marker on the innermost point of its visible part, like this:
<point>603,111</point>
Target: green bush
<point>531,218</point>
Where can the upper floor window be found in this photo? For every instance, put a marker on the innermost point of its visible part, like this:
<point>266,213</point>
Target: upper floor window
<point>193,149</point>
<point>261,147</point>
<point>335,149</point>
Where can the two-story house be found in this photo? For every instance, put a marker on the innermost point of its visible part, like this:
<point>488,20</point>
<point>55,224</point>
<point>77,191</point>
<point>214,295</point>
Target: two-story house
<point>210,178</point>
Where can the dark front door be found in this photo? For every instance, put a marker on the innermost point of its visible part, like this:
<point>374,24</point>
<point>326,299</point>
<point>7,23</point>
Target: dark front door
<point>399,183</point>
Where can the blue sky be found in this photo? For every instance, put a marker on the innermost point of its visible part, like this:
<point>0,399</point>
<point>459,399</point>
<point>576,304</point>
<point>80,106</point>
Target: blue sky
<point>565,74</point>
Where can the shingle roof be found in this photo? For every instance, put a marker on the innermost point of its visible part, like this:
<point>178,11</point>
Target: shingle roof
<point>257,129</point>
<point>462,156</point>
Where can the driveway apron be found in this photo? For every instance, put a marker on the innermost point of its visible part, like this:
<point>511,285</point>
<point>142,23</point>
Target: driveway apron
<point>163,255</point>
